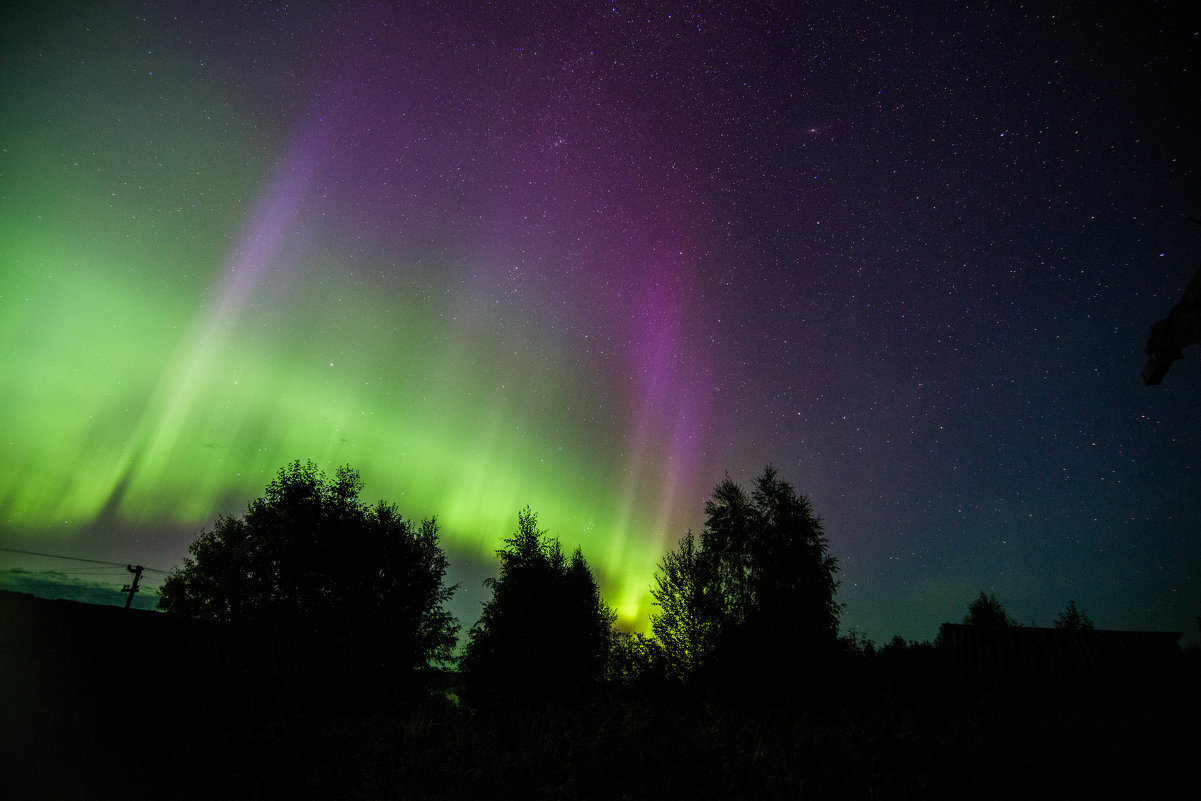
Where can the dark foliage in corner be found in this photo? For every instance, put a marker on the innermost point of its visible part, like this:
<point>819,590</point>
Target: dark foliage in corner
<point>546,634</point>
<point>310,556</point>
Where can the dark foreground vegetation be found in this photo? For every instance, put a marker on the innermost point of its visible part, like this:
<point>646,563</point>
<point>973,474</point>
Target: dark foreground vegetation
<point>1012,743</point>
<point>206,722</point>
<point>307,653</point>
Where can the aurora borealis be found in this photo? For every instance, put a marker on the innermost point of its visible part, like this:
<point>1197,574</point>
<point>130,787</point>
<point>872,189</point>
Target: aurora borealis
<point>590,259</point>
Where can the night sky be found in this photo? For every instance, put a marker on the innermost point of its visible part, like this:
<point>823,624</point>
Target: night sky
<point>593,259</point>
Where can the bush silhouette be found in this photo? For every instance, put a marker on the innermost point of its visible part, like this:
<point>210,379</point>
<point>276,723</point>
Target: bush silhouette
<point>310,556</point>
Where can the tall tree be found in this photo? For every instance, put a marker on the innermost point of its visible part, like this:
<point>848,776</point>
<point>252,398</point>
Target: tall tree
<point>755,597</point>
<point>545,633</point>
<point>726,541</point>
<point>793,571</point>
<point>691,609</point>
<point>309,555</point>
<point>987,612</point>
<point>1073,619</point>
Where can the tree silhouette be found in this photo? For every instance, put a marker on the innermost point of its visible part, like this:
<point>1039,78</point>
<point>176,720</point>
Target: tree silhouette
<point>310,556</point>
<point>545,633</point>
<point>1073,619</point>
<point>691,608</point>
<point>986,612</point>
<point>635,660</point>
<point>754,600</point>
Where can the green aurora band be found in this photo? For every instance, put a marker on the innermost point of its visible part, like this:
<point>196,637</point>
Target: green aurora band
<point>178,323</point>
<point>113,405</point>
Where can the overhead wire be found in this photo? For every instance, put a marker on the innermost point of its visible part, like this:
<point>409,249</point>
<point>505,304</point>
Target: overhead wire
<point>106,572</point>
<point>77,559</point>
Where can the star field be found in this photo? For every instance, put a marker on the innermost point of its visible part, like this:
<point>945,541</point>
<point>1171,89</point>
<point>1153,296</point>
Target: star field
<point>591,259</point>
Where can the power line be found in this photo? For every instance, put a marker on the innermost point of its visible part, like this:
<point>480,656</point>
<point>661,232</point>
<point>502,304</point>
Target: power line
<point>88,571</point>
<point>74,558</point>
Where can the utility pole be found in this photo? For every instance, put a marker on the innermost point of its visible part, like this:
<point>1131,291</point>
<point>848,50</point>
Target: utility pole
<point>132,588</point>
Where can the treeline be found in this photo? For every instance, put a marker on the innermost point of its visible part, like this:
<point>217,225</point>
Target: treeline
<point>316,682</point>
<point>744,608</point>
